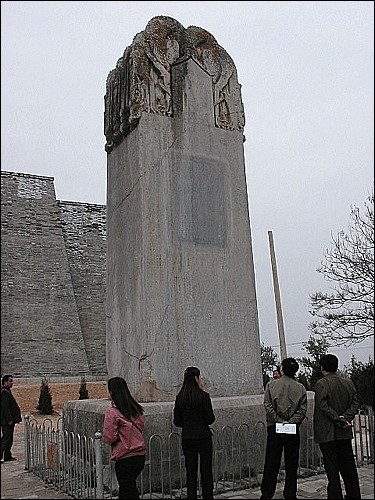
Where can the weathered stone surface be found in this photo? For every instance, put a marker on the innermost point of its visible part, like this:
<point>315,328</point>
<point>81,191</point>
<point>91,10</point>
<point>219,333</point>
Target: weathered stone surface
<point>142,79</point>
<point>181,286</point>
<point>84,230</point>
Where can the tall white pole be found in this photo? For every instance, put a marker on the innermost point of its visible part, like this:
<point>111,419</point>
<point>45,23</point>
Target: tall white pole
<point>276,289</point>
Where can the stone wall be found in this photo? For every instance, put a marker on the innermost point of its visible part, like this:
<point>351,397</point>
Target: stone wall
<point>84,230</point>
<point>52,281</point>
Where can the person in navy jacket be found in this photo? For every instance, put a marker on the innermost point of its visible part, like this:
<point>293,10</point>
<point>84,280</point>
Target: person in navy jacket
<point>193,412</point>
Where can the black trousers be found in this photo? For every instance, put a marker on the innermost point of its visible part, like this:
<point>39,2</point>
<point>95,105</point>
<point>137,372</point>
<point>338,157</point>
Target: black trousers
<point>338,459</point>
<point>127,471</point>
<point>192,448</point>
<point>276,444</point>
<point>6,441</point>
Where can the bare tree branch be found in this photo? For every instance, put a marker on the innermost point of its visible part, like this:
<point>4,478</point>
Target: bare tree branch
<point>346,314</point>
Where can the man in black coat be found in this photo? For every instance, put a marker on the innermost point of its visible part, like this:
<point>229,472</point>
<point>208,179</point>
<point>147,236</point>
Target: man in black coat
<point>10,416</point>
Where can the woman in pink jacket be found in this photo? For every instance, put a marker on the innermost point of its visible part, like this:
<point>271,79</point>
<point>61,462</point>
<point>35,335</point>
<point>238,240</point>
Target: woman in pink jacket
<point>122,429</point>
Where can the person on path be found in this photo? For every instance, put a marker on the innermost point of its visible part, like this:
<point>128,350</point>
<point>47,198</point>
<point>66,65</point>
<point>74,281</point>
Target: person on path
<point>10,416</point>
<point>335,406</point>
<point>123,431</point>
<point>193,412</point>
<point>276,373</point>
<point>285,402</point>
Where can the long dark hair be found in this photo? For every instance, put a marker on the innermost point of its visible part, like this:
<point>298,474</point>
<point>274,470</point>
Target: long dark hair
<point>124,401</point>
<point>190,395</point>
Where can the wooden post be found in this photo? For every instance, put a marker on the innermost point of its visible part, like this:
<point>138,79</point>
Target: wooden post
<point>279,313</point>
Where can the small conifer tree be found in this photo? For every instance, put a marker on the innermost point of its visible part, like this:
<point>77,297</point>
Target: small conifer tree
<point>45,398</point>
<point>83,392</point>
<point>362,376</point>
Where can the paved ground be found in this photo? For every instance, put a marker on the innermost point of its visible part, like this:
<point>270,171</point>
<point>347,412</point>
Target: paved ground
<point>17,483</point>
<point>314,487</point>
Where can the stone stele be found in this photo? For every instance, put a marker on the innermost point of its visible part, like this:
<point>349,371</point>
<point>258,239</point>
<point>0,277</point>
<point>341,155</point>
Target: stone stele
<point>180,282</point>
<point>180,271</point>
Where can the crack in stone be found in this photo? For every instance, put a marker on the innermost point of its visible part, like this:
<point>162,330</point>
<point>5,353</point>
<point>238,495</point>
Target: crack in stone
<point>145,355</point>
<point>151,169</point>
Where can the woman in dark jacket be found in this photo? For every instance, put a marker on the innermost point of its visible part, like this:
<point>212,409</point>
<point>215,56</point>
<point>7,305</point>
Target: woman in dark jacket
<point>193,412</point>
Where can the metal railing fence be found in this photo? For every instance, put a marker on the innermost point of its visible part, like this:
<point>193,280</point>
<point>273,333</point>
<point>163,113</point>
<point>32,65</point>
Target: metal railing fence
<point>80,466</point>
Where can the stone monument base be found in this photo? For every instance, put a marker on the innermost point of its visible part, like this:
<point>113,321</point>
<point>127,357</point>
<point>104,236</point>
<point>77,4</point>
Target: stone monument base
<point>86,416</point>
<point>239,433</point>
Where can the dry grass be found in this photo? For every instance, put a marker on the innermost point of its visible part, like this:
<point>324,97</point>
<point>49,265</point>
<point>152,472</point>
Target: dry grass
<point>27,396</point>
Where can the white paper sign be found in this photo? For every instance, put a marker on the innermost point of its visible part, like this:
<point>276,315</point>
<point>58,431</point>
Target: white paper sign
<point>286,428</point>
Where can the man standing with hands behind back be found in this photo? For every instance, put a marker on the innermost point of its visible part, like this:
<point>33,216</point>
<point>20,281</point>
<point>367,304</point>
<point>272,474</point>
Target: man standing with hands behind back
<point>336,404</point>
<point>10,416</point>
<point>285,402</point>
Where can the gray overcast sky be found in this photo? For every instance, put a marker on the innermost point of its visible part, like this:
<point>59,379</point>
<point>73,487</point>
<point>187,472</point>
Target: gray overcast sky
<point>306,70</point>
